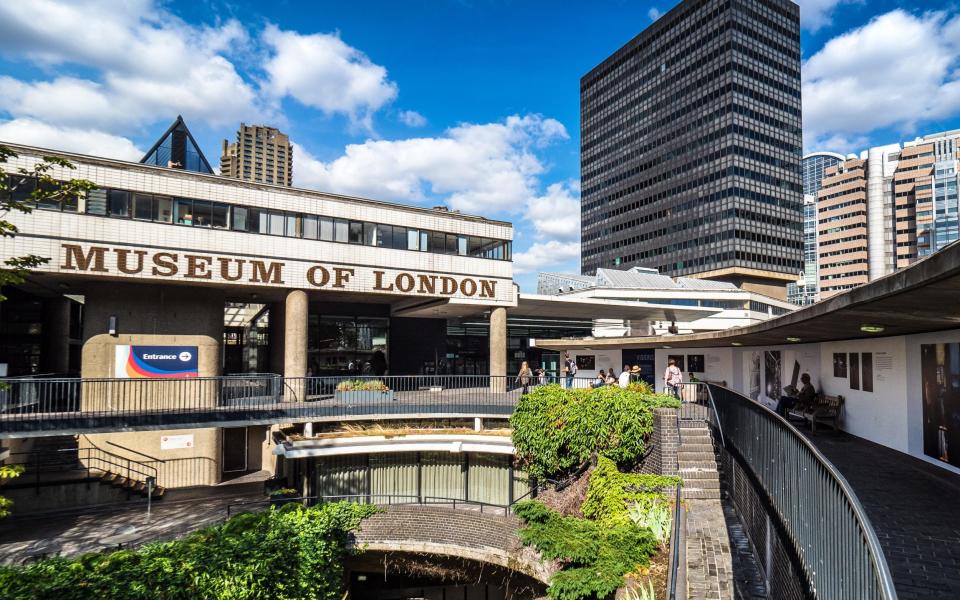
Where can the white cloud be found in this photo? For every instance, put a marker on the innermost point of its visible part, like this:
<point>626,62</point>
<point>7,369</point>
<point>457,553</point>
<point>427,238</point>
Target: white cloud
<point>83,141</point>
<point>556,214</point>
<point>477,168</point>
<point>815,14</point>
<point>323,72</point>
<point>542,256</point>
<point>412,118</point>
<point>897,71</point>
<point>148,64</point>
<point>654,13</point>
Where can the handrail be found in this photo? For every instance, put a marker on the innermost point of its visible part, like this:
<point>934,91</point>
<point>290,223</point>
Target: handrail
<point>674,568</point>
<point>710,402</point>
<point>809,541</point>
<point>153,458</point>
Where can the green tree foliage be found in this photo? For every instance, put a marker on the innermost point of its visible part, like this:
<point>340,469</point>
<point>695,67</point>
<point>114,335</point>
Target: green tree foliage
<point>556,430</point>
<point>46,190</point>
<point>292,553</point>
<point>594,557</point>
<point>8,472</point>
<point>610,493</point>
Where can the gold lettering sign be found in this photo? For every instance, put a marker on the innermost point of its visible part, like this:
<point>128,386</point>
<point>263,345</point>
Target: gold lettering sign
<point>103,260</point>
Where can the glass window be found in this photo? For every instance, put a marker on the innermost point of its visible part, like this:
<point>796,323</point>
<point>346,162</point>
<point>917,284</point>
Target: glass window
<point>461,245</point>
<point>142,206</point>
<point>370,234</point>
<point>326,230</point>
<point>183,211</point>
<point>356,232</point>
<point>239,222</point>
<point>311,228</point>
<point>451,244</point>
<point>219,214</point>
<point>52,200</point>
<point>341,231</point>
<point>424,238</point>
<point>162,209</point>
<point>400,238</point>
<point>277,223</point>
<point>119,205</point>
<point>21,187</point>
<point>292,229</point>
<point>385,236</point>
<point>201,213</point>
<point>437,242</point>
<point>97,202</point>
<point>475,246</point>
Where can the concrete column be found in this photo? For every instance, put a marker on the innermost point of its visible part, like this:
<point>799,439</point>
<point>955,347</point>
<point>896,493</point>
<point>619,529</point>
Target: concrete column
<point>498,348</point>
<point>295,343</point>
<point>55,351</point>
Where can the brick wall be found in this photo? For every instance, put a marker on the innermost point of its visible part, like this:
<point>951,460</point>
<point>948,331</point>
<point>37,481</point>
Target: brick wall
<point>665,442</point>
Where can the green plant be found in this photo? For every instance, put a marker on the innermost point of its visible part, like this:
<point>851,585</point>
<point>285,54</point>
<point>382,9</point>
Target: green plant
<point>610,492</point>
<point>556,430</point>
<point>642,592</point>
<point>641,387</point>
<point>655,517</point>
<point>8,472</point>
<point>362,385</point>
<point>594,557</point>
<point>293,553</point>
<point>283,492</point>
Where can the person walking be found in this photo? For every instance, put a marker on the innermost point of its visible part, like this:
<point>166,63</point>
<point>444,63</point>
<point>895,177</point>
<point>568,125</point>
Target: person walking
<point>525,376</point>
<point>569,369</point>
<point>624,380</point>
<point>672,378</point>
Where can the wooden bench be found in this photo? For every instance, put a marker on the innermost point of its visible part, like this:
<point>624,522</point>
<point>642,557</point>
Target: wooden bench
<point>824,408</point>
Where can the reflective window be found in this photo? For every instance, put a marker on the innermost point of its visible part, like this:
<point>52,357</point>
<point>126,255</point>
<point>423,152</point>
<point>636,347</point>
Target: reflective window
<point>162,209</point>
<point>142,206</point>
<point>311,229</point>
<point>240,218</point>
<point>119,203</point>
<point>326,229</point>
<point>340,231</point>
<point>370,234</point>
<point>201,213</point>
<point>183,211</point>
<point>292,229</point>
<point>219,214</point>
<point>356,232</point>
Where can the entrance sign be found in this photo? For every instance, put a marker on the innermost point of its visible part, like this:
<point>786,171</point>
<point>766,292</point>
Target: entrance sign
<point>155,362</point>
<point>176,442</point>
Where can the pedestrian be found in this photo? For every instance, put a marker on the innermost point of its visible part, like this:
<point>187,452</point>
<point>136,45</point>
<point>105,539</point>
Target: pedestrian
<point>672,378</point>
<point>524,376</point>
<point>569,369</point>
<point>635,374</point>
<point>624,380</point>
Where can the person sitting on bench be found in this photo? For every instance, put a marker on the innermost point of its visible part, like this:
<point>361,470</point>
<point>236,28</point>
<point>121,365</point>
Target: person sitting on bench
<point>803,398</point>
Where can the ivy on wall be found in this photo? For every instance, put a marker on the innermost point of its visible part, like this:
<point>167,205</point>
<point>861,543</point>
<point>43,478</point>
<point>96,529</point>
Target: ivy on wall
<point>292,553</point>
<point>610,493</point>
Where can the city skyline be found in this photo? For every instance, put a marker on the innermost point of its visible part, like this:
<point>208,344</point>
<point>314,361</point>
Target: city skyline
<point>491,121</point>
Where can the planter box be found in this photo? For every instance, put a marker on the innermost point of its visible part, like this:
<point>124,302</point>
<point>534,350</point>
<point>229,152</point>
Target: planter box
<point>366,397</point>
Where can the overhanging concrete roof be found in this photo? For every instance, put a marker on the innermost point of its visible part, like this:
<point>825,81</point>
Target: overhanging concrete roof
<point>923,297</point>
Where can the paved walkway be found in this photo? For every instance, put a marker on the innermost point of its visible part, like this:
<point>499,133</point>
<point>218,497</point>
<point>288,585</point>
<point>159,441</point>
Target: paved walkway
<point>913,507</point>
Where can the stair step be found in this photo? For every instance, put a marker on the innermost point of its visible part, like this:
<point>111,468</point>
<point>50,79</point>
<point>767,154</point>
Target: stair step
<point>701,494</point>
<point>699,474</point>
<point>703,484</point>
<point>707,465</point>
<point>158,492</point>
<point>120,481</point>
<point>108,477</point>
<point>690,457</point>
<point>685,447</point>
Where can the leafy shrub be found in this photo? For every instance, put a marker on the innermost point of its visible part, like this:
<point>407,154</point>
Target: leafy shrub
<point>655,517</point>
<point>292,553</point>
<point>362,385</point>
<point>595,557</point>
<point>610,493</point>
<point>555,430</point>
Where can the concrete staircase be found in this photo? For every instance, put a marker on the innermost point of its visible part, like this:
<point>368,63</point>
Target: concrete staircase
<point>697,462</point>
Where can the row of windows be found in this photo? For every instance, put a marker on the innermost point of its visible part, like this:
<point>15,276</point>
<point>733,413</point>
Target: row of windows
<point>202,213</point>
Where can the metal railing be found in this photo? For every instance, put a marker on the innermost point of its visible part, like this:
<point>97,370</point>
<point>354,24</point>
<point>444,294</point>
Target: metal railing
<point>33,405</point>
<point>377,499</point>
<point>814,506</point>
<point>84,460</point>
<point>673,571</point>
<point>698,405</point>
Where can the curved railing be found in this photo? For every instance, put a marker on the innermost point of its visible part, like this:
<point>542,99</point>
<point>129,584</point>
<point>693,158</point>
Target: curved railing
<point>823,520</point>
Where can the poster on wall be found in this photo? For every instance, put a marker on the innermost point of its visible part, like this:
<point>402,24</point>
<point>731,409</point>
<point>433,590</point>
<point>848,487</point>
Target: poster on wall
<point>754,376</point>
<point>678,360</point>
<point>771,363</point>
<point>695,363</point>
<point>586,362</point>
<point>155,362</point>
<point>940,378</point>
<point>866,365</point>
<point>854,371</point>
<point>840,365</point>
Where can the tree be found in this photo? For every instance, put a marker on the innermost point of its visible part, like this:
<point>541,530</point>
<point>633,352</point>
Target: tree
<point>22,190</point>
<point>43,188</point>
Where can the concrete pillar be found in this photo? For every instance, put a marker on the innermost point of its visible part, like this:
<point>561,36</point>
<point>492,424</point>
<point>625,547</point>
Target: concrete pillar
<point>55,351</point>
<point>295,343</point>
<point>498,349</point>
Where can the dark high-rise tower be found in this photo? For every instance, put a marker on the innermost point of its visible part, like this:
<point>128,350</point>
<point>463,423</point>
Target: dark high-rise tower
<point>691,146</point>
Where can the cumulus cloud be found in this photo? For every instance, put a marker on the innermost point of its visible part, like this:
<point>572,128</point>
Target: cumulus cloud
<point>543,256</point>
<point>556,214</point>
<point>472,167</point>
<point>147,62</point>
<point>83,141</point>
<point>815,14</point>
<point>412,118</point>
<point>898,70</point>
<point>323,72</point>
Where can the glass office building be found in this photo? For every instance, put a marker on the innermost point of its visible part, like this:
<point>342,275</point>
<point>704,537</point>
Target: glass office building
<point>691,146</point>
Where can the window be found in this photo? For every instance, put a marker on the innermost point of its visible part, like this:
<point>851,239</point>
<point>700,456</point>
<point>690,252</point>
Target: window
<point>183,211</point>
<point>370,234</point>
<point>356,232</point>
<point>219,214</point>
<point>277,223</point>
<point>340,231</point>
<point>201,213</point>
<point>97,202</point>
<point>462,245</point>
<point>142,206</point>
<point>437,243</point>
<point>119,203</point>
<point>240,218</point>
<point>326,229</point>
<point>385,236</point>
<point>292,229</point>
<point>162,209</point>
<point>413,239</point>
<point>311,228</point>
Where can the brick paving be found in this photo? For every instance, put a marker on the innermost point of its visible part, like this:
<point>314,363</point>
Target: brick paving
<point>913,508</point>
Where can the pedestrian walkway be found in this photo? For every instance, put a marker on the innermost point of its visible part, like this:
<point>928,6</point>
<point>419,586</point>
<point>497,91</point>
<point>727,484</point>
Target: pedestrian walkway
<point>913,508</point>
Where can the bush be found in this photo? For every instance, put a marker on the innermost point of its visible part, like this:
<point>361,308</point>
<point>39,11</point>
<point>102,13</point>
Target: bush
<point>556,430</point>
<point>362,385</point>
<point>610,493</point>
<point>292,553</point>
<point>595,557</point>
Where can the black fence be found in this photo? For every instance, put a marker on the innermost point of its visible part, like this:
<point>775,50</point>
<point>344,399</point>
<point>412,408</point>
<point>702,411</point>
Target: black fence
<point>812,536</point>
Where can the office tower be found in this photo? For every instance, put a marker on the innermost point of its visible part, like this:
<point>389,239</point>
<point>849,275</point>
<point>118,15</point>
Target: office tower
<point>262,154</point>
<point>842,228</point>
<point>926,191</point>
<point>806,289</point>
<point>691,147</point>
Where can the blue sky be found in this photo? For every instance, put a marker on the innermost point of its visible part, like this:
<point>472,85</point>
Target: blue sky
<point>472,103</point>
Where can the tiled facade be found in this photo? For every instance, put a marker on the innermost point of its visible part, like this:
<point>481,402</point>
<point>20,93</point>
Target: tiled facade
<point>261,154</point>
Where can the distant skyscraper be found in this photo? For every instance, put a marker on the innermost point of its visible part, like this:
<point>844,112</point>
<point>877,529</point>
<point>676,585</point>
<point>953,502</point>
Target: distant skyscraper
<point>806,290</point>
<point>261,154</point>
<point>691,147</point>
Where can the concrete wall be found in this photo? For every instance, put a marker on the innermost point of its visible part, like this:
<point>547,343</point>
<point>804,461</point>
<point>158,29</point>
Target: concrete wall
<point>718,364</point>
